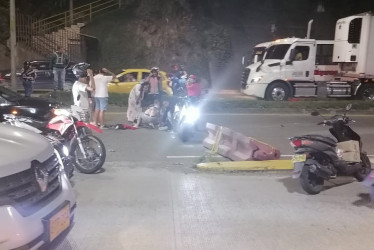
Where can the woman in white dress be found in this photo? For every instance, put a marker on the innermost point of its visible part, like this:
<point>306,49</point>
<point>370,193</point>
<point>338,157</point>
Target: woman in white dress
<point>136,96</point>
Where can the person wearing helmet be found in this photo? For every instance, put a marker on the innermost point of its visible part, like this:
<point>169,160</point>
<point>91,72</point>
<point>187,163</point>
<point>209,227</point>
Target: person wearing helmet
<point>28,77</point>
<point>155,85</point>
<point>82,87</point>
<point>59,62</point>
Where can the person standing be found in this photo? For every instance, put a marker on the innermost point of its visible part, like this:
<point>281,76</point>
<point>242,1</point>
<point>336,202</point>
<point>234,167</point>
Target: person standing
<point>101,95</point>
<point>80,89</point>
<point>28,78</point>
<point>193,88</point>
<point>59,61</point>
<point>155,85</point>
<point>134,107</point>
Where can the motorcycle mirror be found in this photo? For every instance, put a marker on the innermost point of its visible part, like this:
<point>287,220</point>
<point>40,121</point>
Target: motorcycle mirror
<point>315,113</point>
<point>349,106</point>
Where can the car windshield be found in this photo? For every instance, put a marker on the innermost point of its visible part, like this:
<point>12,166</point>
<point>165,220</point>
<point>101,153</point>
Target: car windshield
<point>8,94</point>
<point>277,51</point>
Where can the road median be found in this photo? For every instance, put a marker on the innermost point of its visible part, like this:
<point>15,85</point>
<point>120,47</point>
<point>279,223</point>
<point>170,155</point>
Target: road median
<point>247,165</point>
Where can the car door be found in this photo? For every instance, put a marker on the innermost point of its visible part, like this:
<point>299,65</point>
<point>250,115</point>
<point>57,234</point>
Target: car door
<point>299,66</point>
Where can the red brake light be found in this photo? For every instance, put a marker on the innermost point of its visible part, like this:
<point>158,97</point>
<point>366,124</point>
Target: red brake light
<point>296,143</point>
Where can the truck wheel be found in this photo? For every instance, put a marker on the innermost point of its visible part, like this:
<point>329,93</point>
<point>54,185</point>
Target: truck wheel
<point>277,91</point>
<point>366,93</point>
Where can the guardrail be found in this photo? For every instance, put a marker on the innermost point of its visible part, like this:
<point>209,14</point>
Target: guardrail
<point>82,13</point>
<point>44,35</point>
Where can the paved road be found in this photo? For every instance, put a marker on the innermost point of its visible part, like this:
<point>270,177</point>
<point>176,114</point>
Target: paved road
<point>150,197</point>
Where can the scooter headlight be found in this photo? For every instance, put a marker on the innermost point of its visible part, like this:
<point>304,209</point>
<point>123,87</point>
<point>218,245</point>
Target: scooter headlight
<point>192,114</point>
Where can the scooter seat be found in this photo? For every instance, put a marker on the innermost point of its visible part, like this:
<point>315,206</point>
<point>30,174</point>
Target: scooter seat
<point>321,138</point>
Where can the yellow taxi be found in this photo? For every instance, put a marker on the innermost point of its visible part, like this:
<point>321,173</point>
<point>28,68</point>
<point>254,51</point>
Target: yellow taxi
<point>128,78</point>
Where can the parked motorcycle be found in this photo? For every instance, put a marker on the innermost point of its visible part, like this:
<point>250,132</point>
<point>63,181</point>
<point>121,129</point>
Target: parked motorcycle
<point>318,158</point>
<point>185,118</point>
<point>87,152</point>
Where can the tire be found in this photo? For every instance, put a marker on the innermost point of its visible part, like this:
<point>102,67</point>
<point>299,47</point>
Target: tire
<point>311,183</point>
<point>365,161</point>
<point>90,167</point>
<point>366,93</point>
<point>278,91</point>
<point>185,133</point>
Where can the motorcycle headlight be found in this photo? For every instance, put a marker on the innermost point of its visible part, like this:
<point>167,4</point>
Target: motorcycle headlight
<point>192,114</point>
<point>61,112</point>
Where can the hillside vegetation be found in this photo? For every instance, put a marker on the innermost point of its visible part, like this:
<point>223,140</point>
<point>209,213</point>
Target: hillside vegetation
<point>148,33</point>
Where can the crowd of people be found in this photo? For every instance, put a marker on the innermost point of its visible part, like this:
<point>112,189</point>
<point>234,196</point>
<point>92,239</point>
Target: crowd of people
<point>149,91</point>
<point>90,92</point>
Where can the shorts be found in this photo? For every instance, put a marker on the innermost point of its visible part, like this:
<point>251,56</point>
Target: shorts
<point>101,103</point>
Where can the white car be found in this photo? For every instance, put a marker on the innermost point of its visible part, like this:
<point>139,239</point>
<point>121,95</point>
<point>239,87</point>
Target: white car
<point>37,202</point>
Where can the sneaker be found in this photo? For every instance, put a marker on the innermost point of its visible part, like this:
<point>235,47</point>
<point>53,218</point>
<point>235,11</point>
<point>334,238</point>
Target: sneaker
<point>151,125</point>
<point>103,127</point>
<point>163,128</point>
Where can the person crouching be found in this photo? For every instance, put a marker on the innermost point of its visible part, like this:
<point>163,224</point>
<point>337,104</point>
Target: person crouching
<point>150,117</point>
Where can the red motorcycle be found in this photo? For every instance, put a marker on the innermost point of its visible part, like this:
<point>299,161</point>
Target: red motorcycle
<point>87,151</point>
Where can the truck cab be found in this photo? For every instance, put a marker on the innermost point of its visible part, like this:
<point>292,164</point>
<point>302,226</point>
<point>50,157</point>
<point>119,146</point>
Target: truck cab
<point>290,67</point>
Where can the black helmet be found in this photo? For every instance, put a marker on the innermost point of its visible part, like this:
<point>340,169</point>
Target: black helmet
<point>80,69</point>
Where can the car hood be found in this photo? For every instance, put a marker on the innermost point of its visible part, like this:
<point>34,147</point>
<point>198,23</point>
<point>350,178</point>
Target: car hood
<point>36,102</point>
<point>19,147</point>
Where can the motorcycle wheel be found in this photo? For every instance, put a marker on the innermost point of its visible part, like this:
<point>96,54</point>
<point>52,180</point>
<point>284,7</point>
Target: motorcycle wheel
<point>96,157</point>
<point>310,182</point>
<point>366,164</point>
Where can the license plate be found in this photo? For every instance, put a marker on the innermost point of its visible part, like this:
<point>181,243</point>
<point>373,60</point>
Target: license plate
<point>299,158</point>
<point>59,222</point>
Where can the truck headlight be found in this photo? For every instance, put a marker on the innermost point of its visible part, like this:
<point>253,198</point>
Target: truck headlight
<point>256,79</point>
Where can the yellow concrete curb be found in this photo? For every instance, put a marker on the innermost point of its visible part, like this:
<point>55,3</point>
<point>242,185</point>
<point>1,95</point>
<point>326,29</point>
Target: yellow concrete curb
<point>247,165</point>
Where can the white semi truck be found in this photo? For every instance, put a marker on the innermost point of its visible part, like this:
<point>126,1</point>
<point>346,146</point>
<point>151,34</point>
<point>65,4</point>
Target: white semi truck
<point>297,67</point>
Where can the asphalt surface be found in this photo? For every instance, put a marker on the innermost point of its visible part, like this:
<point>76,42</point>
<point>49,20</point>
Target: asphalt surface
<point>149,195</point>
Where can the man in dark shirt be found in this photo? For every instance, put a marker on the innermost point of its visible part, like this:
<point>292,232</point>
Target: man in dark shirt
<point>59,62</point>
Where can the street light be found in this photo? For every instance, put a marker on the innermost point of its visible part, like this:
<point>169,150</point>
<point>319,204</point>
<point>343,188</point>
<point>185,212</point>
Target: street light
<point>13,41</point>
<point>320,8</point>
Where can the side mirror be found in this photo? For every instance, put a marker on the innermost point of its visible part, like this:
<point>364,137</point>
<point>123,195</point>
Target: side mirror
<point>349,106</point>
<point>315,113</point>
<point>292,55</point>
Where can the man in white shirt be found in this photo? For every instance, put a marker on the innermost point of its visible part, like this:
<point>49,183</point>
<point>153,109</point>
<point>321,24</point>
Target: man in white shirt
<point>80,88</point>
<point>101,94</point>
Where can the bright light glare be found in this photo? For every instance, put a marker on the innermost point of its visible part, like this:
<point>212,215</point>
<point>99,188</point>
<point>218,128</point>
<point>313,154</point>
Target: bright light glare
<point>65,150</point>
<point>192,114</point>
